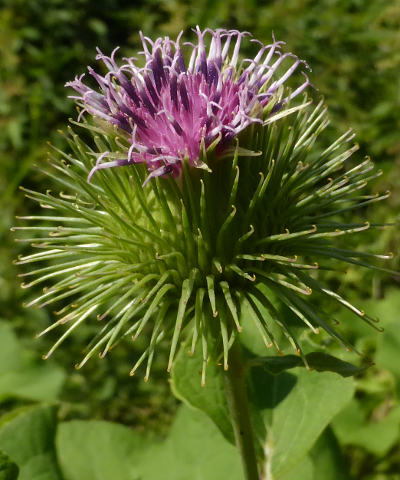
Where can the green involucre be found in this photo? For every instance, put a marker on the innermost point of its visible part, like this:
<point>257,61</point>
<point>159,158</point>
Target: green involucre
<point>184,257</point>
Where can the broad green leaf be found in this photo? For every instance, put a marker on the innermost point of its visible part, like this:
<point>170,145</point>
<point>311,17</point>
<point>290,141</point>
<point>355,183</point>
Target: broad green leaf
<point>27,436</point>
<point>327,458</point>
<point>99,450</point>
<point>195,449</point>
<point>304,470</point>
<point>324,462</point>
<point>8,469</point>
<point>22,374</point>
<point>186,385</point>
<point>321,362</point>
<point>376,436</point>
<point>93,450</point>
<point>296,408</point>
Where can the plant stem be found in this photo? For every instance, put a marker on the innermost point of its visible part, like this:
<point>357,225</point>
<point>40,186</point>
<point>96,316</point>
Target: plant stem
<point>236,394</point>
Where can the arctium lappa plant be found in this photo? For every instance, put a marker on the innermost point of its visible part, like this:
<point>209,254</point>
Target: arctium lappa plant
<point>195,202</point>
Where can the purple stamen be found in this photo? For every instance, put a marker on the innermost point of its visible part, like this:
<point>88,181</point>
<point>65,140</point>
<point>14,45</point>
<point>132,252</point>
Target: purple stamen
<point>184,96</point>
<point>152,92</point>
<point>174,91</point>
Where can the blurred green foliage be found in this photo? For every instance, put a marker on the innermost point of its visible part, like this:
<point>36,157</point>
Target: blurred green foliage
<point>354,49</point>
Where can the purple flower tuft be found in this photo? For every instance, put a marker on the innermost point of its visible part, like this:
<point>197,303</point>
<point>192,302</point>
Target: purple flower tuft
<point>171,111</point>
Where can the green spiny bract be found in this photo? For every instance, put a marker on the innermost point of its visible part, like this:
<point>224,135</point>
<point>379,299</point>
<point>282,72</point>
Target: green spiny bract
<point>184,257</point>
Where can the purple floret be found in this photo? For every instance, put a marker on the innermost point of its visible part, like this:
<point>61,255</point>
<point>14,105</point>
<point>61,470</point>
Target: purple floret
<point>170,109</point>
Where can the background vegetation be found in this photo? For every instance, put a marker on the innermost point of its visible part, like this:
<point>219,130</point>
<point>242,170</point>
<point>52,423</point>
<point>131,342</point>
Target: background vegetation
<point>354,49</point>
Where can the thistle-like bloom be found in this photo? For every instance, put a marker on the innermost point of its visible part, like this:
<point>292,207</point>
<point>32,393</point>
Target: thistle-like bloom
<point>171,110</point>
<point>234,241</point>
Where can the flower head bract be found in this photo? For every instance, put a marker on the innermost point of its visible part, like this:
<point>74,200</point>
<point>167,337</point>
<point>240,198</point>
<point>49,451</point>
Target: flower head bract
<point>196,251</point>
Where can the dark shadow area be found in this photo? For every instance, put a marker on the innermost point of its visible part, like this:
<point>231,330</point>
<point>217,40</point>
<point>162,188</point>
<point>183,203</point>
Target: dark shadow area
<point>269,390</point>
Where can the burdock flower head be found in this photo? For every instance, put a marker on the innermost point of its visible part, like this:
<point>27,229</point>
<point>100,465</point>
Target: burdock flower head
<point>170,111</point>
<point>222,210</point>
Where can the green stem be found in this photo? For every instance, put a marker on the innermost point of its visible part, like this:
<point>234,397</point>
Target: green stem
<point>236,394</point>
